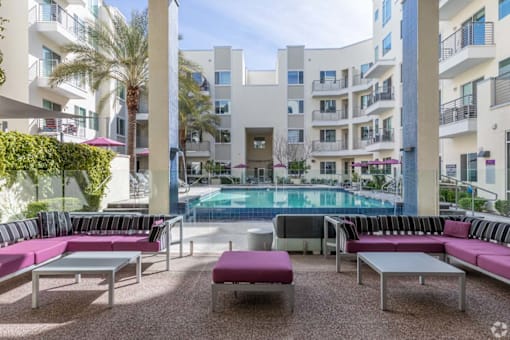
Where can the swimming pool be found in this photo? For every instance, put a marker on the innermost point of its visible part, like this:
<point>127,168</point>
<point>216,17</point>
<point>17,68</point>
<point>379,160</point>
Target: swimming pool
<point>265,203</point>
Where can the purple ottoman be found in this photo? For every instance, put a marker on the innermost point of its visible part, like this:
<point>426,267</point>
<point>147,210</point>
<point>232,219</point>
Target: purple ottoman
<point>261,271</point>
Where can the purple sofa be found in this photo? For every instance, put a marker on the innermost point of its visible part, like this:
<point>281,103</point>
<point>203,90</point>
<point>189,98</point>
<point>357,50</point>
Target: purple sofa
<point>29,243</point>
<point>485,246</point>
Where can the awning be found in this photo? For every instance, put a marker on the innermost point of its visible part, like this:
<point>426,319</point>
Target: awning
<point>13,109</point>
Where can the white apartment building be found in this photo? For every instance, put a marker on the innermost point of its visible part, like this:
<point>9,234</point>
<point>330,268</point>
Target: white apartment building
<point>36,33</point>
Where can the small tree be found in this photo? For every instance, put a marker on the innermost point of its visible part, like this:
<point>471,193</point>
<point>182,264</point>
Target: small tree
<point>295,155</point>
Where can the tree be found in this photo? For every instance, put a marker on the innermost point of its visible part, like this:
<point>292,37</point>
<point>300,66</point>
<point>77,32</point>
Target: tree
<point>118,53</point>
<point>292,154</point>
<point>3,21</point>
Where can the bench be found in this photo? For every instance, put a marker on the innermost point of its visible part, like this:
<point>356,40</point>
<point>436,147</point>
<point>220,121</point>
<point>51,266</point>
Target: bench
<point>254,271</point>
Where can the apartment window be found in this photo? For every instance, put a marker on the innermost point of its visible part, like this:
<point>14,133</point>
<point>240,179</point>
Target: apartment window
<point>49,105</point>
<point>328,168</point>
<point>327,75</point>
<point>295,77</point>
<point>222,168</point>
<point>328,136</point>
<point>328,105</point>
<point>49,62</point>
<point>364,68</point>
<point>121,126</point>
<point>504,8</point>
<point>223,136</point>
<point>222,107</point>
<point>121,90</point>
<point>259,143</point>
<point>504,66</point>
<point>93,121</point>
<point>295,106</point>
<point>386,44</point>
<point>364,101</point>
<point>295,136</point>
<point>193,137</point>
<point>468,167</point>
<point>376,53</point>
<point>82,112</point>
<point>376,15</point>
<point>93,7</point>
<point>365,132</point>
<point>222,78</point>
<point>386,85</point>
<point>386,11</point>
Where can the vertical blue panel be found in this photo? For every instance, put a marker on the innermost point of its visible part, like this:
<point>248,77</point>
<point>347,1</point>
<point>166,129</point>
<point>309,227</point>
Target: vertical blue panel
<point>173,71</point>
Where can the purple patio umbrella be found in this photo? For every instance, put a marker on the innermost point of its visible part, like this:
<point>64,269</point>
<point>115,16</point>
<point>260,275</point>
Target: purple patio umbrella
<point>279,165</point>
<point>376,162</point>
<point>392,161</point>
<point>103,141</point>
<point>144,152</point>
<point>240,166</point>
<point>357,165</point>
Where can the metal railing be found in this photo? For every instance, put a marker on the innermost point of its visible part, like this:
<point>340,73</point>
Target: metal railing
<point>458,109</point>
<point>357,79</point>
<point>202,146</point>
<point>66,126</point>
<point>318,115</point>
<point>56,13</point>
<point>360,143</point>
<point>472,34</point>
<point>501,89</point>
<point>381,136</point>
<point>381,96</point>
<point>329,84</point>
<point>358,112</point>
<point>323,146</point>
<point>44,68</point>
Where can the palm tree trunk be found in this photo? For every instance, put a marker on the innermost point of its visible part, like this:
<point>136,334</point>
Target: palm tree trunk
<point>132,101</point>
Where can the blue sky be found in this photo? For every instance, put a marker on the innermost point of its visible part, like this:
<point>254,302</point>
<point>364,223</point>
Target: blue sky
<point>261,27</point>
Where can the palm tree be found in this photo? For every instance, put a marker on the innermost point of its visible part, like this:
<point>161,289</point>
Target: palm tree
<point>117,53</point>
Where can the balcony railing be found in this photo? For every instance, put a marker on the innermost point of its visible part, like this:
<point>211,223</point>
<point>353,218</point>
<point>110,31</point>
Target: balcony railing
<point>44,68</point>
<point>357,112</point>
<point>472,34</point>
<point>381,136</point>
<point>501,89</point>
<point>66,126</point>
<point>358,79</point>
<point>381,96</point>
<point>55,13</point>
<point>458,109</point>
<point>329,116</point>
<point>329,84</point>
<point>323,146</point>
<point>202,146</point>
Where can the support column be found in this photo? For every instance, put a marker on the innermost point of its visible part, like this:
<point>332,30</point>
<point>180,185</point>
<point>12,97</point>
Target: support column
<point>420,68</point>
<point>163,105</point>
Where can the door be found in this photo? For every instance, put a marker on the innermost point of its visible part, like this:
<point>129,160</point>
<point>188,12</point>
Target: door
<point>49,62</point>
<point>261,175</point>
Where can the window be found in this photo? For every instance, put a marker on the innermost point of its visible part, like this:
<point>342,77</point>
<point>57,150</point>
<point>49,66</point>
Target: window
<point>223,136</point>
<point>80,111</point>
<point>386,44</point>
<point>297,168</point>
<point>194,168</point>
<point>94,7</point>
<point>328,168</point>
<point>376,15</point>
<point>121,91</point>
<point>366,132</point>
<point>197,77</point>
<point>386,12</point>
<point>504,66</point>
<point>295,136</point>
<point>328,136</point>
<point>93,121</point>
<point>49,62</point>
<point>121,126</point>
<point>259,143</point>
<point>221,168</point>
<point>468,167</point>
<point>327,75</point>
<point>376,53</point>
<point>295,106</point>
<point>295,77</point>
<point>504,8</point>
<point>364,68</point>
<point>222,78</point>
<point>364,101</point>
<point>193,137</point>
<point>51,105</point>
<point>328,105</point>
<point>222,107</point>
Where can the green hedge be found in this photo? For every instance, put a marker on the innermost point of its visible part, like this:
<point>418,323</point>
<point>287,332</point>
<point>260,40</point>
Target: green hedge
<point>503,207</point>
<point>53,204</point>
<point>465,203</point>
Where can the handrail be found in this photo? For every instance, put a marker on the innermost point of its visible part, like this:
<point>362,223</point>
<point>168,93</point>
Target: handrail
<point>103,183</point>
<point>473,33</point>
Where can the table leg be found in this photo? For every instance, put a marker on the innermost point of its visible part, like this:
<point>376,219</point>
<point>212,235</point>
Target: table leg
<point>77,278</point>
<point>35,290</point>
<point>325,241</point>
<point>383,292</point>
<point>111,288</point>
<point>139,269</point>
<point>358,266</point>
<point>337,250</point>
<point>422,280</point>
<point>462,292</point>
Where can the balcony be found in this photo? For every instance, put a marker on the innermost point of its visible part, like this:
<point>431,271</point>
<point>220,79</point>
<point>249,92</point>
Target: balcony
<point>57,24</point>
<point>326,149</point>
<point>382,139</point>
<point>62,127</point>
<point>77,2</point>
<point>449,8</point>
<point>329,87</point>
<point>359,116</point>
<point>458,117</point>
<point>198,150</point>
<point>380,67</point>
<point>333,118</point>
<point>471,45</point>
<point>380,102</point>
<point>73,88</point>
<point>360,83</point>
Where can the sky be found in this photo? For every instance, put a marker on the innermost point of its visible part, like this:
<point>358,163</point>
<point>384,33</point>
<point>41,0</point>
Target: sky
<point>261,27</point>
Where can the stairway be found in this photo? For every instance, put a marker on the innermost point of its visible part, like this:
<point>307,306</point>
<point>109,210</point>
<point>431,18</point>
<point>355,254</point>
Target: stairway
<point>449,209</point>
<point>128,207</point>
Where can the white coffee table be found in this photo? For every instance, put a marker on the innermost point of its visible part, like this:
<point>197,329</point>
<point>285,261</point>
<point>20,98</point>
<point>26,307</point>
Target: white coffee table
<point>410,264</point>
<point>88,262</point>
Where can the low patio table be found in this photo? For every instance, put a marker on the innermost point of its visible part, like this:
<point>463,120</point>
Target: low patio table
<point>389,264</point>
<point>89,262</point>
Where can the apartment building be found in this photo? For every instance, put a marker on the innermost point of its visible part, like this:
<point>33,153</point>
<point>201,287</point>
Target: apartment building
<point>36,33</point>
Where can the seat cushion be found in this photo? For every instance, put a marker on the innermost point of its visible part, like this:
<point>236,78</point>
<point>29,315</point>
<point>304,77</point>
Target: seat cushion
<point>369,243</point>
<point>253,266</point>
<point>43,249</point>
<point>496,264</point>
<point>415,243</point>
<point>10,263</point>
<point>91,243</point>
<point>469,250</point>
<point>135,243</point>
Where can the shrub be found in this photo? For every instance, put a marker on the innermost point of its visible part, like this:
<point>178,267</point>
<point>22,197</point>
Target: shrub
<point>503,207</point>
<point>479,203</point>
<point>52,204</point>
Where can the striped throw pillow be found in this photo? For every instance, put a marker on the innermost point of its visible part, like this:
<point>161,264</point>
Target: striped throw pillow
<point>157,230</point>
<point>55,223</point>
<point>350,230</point>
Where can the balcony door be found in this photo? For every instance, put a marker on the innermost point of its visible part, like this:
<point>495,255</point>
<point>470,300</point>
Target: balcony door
<point>473,29</point>
<point>49,61</point>
<point>468,92</point>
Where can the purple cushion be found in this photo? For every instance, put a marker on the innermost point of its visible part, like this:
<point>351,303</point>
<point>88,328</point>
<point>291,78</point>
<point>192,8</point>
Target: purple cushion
<point>369,243</point>
<point>469,250</point>
<point>456,229</point>
<point>10,263</point>
<point>135,243</point>
<point>43,249</point>
<point>415,243</point>
<point>91,243</point>
<point>495,264</point>
<point>253,266</point>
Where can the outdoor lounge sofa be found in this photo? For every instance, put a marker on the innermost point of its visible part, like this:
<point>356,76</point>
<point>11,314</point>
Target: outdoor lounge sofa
<point>485,246</point>
<point>28,243</point>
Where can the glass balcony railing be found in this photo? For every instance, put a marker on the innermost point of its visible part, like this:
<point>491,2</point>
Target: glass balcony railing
<point>458,109</point>
<point>329,116</point>
<point>325,146</point>
<point>329,84</point>
<point>386,95</point>
<point>45,67</point>
<point>472,34</point>
<point>381,136</point>
<point>57,14</point>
